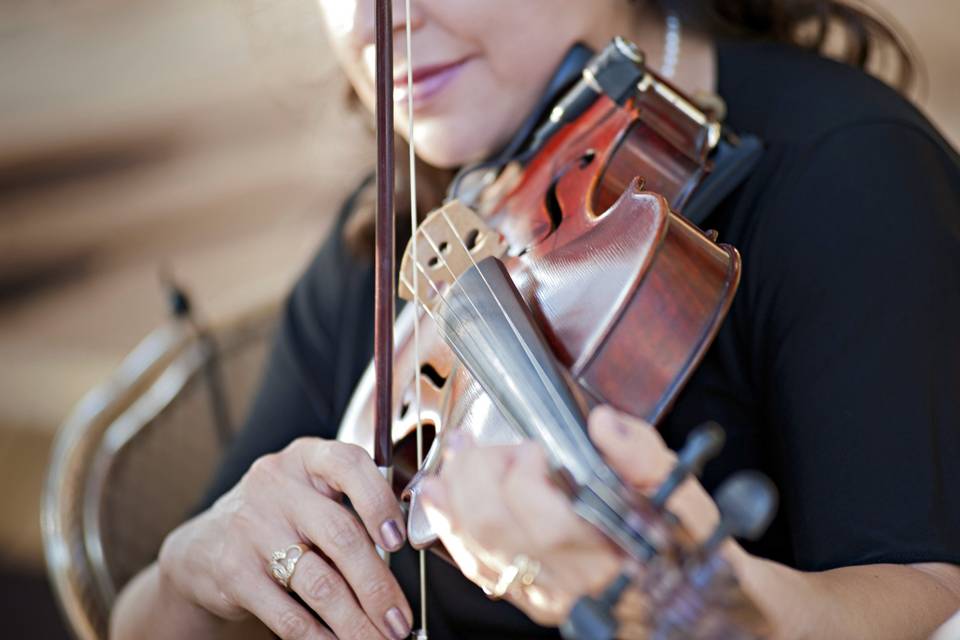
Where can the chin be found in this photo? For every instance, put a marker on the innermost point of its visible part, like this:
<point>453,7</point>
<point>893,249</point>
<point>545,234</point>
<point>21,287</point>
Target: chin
<point>449,147</point>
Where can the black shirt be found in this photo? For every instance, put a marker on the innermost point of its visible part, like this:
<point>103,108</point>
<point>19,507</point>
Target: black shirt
<point>837,371</point>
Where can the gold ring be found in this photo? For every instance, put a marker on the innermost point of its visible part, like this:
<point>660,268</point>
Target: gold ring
<point>522,571</point>
<point>283,563</point>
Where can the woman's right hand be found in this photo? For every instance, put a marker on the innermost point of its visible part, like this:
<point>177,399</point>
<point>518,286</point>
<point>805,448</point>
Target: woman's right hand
<point>219,559</point>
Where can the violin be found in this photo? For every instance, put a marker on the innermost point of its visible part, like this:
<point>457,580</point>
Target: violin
<point>567,279</point>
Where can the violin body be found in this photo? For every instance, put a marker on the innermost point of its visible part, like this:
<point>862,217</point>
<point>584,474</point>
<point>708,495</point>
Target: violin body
<point>565,284</point>
<point>626,293</point>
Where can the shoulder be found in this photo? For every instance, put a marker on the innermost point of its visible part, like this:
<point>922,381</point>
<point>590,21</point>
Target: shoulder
<point>845,155</point>
<point>855,186</point>
<point>862,221</point>
<point>788,95</point>
<point>886,182</point>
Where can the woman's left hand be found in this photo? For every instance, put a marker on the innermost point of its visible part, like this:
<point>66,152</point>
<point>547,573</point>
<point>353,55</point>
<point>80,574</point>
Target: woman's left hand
<point>493,506</point>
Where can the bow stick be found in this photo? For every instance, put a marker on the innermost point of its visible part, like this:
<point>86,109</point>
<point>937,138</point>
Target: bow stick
<point>385,244</point>
<point>385,259</point>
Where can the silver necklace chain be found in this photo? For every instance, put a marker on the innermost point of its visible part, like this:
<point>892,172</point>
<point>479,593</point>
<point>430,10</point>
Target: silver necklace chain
<point>671,46</point>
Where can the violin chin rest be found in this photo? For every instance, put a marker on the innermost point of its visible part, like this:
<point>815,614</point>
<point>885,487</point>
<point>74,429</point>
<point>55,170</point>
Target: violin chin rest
<point>420,532</point>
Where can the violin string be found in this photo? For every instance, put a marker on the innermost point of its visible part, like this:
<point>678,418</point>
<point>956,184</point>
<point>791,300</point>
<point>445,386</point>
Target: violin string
<point>443,325</point>
<point>438,293</point>
<point>471,344</point>
<point>446,265</point>
<point>568,416</point>
<point>566,413</point>
<point>446,330</point>
<point>412,172</point>
<point>456,283</point>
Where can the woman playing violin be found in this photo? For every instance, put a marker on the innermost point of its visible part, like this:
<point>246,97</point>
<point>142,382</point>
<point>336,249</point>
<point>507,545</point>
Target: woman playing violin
<point>835,372</point>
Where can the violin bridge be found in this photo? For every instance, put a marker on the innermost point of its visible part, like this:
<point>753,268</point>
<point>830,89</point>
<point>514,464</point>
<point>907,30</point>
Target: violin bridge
<point>448,242</point>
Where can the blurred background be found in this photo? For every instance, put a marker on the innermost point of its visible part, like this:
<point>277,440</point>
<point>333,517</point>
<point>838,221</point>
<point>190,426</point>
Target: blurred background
<point>204,141</point>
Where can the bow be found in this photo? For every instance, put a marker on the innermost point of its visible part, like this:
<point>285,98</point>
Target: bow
<point>385,258</point>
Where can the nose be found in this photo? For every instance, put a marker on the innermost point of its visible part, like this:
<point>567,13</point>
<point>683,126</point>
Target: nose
<point>364,19</point>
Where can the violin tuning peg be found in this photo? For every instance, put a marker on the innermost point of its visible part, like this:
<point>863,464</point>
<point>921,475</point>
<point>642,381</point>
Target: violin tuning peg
<point>747,503</point>
<point>702,444</point>
<point>592,618</point>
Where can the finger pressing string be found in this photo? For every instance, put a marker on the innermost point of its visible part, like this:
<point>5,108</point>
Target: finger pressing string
<point>637,452</point>
<point>631,446</point>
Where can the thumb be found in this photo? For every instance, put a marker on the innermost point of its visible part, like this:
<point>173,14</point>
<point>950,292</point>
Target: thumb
<point>631,446</point>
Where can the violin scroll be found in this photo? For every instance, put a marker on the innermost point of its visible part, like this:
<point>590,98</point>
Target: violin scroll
<point>702,598</point>
<point>694,594</point>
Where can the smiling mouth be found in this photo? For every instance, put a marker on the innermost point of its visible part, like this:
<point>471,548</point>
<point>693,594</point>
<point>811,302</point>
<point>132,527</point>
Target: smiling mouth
<point>428,81</point>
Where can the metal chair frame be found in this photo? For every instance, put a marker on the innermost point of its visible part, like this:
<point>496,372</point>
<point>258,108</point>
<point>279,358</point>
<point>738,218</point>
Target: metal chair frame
<point>105,422</point>
<point>64,544</point>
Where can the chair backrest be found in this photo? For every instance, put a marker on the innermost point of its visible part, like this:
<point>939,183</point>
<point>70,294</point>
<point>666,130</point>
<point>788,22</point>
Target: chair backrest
<point>132,460</point>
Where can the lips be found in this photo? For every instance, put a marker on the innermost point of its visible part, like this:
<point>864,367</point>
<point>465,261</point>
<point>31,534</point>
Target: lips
<point>428,81</point>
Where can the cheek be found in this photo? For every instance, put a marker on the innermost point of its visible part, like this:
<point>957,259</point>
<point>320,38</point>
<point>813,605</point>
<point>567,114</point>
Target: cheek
<point>471,132</point>
<point>517,60</point>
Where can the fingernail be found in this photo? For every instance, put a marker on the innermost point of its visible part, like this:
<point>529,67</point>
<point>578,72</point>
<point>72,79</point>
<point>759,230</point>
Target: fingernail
<point>398,625</point>
<point>611,420</point>
<point>621,427</point>
<point>392,536</point>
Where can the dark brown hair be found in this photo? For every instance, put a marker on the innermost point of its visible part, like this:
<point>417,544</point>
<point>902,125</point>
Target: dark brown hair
<point>853,34</point>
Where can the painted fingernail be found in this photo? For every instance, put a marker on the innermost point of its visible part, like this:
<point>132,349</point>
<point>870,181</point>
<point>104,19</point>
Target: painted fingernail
<point>397,624</point>
<point>608,418</point>
<point>621,427</point>
<point>392,536</point>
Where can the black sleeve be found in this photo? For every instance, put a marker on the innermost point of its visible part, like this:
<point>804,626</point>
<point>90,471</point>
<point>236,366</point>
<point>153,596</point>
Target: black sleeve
<point>853,278</point>
<point>318,355</point>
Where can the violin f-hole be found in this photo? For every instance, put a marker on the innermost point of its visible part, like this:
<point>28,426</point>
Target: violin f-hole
<point>428,370</point>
